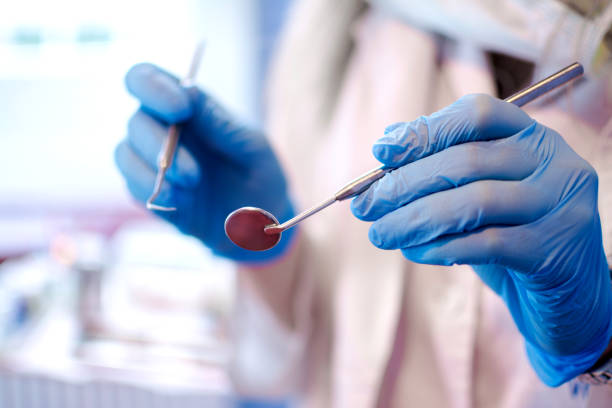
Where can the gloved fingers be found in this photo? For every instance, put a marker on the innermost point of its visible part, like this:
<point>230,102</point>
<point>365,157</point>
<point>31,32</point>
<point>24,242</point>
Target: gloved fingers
<point>474,117</point>
<point>146,137</point>
<point>140,177</point>
<point>159,92</point>
<point>162,96</point>
<point>462,209</point>
<point>220,132</point>
<point>450,168</point>
<point>510,246</point>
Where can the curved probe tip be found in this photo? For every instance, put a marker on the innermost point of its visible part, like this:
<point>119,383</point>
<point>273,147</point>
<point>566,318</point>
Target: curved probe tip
<point>155,207</point>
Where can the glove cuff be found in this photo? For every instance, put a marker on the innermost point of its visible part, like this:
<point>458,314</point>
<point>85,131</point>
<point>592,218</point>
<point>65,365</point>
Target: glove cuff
<point>555,370</point>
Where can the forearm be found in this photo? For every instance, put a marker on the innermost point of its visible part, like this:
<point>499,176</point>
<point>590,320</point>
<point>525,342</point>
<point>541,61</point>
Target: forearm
<point>275,283</point>
<point>272,325</point>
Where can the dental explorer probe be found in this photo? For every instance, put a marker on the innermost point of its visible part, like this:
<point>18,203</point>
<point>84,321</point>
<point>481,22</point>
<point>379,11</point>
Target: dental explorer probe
<point>166,154</point>
<point>257,230</point>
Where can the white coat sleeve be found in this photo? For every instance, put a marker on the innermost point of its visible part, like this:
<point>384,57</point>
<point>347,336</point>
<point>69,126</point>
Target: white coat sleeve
<point>272,325</point>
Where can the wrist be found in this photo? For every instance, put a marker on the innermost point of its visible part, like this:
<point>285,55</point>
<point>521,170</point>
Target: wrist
<point>601,372</point>
<point>555,369</point>
<point>605,357</point>
<point>607,354</point>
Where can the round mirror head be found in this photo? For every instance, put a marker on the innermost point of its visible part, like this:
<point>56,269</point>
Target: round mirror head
<point>245,228</point>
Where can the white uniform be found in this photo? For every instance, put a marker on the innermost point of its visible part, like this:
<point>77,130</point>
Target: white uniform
<point>365,327</point>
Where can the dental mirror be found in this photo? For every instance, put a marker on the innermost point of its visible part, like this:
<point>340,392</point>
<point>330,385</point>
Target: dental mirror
<point>245,227</point>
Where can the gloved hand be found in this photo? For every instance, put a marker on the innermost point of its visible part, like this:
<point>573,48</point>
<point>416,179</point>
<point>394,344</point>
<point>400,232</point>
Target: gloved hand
<point>219,165</point>
<point>481,183</point>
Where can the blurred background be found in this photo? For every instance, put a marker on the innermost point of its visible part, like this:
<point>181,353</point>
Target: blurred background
<point>101,304</point>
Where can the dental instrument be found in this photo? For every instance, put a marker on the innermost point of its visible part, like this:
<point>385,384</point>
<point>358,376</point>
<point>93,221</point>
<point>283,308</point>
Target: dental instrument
<point>166,154</point>
<point>257,230</point>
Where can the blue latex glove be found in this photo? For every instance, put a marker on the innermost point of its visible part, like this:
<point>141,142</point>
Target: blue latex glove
<point>219,165</point>
<point>481,183</point>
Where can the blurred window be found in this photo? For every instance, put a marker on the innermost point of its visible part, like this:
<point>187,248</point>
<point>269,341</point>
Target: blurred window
<point>63,105</point>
